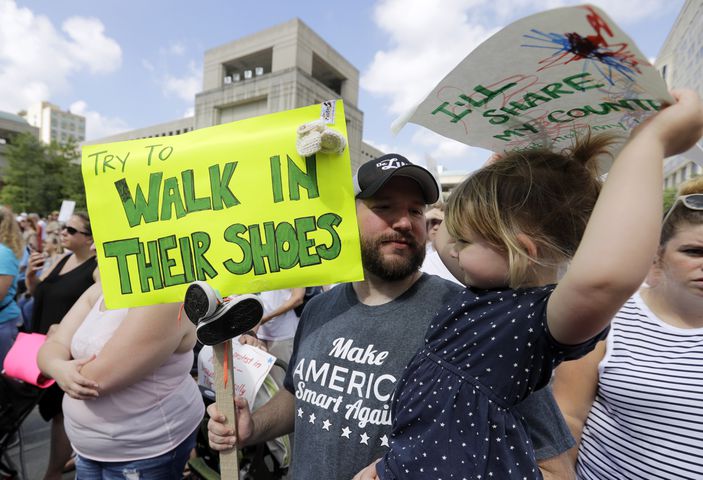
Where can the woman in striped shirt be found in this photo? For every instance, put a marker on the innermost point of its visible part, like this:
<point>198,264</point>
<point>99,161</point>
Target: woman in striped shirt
<point>635,402</point>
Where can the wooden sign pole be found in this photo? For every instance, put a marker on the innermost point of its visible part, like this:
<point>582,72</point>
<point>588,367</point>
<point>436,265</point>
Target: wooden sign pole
<point>229,460</point>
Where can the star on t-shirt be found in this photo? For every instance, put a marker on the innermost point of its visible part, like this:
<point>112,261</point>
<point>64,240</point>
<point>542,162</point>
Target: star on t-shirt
<point>326,425</point>
<point>364,439</point>
<point>346,432</point>
<point>300,412</point>
<point>384,441</point>
<point>312,418</point>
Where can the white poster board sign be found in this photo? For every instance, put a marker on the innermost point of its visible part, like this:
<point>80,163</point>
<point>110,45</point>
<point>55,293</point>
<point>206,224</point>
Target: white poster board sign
<point>67,207</point>
<point>540,81</point>
<point>250,364</point>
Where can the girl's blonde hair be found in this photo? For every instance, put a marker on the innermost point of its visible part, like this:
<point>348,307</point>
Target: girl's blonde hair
<point>10,234</point>
<point>544,195</point>
<point>680,215</point>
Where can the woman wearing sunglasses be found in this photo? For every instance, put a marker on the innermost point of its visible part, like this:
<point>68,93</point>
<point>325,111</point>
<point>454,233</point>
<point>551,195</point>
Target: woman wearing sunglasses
<point>55,291</point>
<point>635,402</point>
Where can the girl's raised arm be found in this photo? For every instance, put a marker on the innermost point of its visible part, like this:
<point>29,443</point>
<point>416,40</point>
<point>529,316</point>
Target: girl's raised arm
<point>622,235</point>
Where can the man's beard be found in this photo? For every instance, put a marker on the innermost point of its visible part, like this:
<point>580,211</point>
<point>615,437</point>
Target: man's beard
<point>391,269</point>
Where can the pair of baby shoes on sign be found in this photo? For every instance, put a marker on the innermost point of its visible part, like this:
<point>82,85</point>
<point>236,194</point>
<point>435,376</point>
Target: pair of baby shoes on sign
<point>315,136</point>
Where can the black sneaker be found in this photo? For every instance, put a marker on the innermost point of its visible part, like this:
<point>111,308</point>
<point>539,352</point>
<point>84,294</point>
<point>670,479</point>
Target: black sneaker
<point>232,318</point>
<point>200,301</point>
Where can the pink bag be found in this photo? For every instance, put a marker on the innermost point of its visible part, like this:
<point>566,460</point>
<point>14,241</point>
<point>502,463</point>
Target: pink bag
<point>21,361</point>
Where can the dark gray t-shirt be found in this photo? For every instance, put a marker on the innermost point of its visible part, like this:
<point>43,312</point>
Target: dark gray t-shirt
<point>346,361</point>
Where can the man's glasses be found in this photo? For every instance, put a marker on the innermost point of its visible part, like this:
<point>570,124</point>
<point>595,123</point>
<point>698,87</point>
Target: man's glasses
<point>692,202</point>
<point>73,231</point>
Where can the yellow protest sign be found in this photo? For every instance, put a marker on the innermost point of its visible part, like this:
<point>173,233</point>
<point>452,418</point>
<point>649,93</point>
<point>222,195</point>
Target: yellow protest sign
<point>233,205</point>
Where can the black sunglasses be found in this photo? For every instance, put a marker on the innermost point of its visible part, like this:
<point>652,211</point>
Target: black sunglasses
<point>73,231</point>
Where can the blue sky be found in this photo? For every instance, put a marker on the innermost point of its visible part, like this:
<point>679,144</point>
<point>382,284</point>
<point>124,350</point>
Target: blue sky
<point>132,64</point>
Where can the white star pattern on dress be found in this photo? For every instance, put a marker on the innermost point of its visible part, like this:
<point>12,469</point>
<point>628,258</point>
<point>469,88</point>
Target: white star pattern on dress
<point>483,351</point>
<point>346,432</point>
<point>326,425</point>
<point>364,439</point>
<point>312,418</point>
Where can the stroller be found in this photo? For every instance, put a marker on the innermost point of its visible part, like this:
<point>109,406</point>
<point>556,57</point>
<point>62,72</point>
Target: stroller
<point>265,461</point>
<point>17,400</point>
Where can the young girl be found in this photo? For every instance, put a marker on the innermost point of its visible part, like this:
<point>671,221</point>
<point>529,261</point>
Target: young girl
<point>515,222</point>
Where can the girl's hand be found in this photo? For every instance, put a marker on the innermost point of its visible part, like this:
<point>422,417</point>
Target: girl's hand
<point>368,473</point>
<point>678,126</point>
<point>36,262</point>
<point>67,374</point>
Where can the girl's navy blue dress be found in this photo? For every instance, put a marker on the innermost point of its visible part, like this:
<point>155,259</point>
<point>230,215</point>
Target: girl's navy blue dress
<point>452,410</point>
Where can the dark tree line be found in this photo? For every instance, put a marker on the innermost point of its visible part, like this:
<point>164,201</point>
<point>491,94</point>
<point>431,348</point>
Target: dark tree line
<point>37,177</point>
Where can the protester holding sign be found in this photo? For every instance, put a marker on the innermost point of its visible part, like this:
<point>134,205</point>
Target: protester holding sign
<point>634,403</point>
<point>55,292</point>
<point>131,407</point>
<point>10,255</point>
<point>279,323</point>
<point>353,340</point>
<point>514,223</point>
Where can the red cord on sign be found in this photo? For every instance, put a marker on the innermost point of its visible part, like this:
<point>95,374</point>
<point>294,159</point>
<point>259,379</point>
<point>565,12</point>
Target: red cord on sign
<point>226,362</point>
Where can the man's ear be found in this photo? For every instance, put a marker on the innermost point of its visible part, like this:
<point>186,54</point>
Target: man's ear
<point>529,244</point>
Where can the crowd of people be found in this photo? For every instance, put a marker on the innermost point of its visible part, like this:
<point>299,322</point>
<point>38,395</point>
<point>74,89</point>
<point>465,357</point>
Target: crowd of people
<point>541,323</point>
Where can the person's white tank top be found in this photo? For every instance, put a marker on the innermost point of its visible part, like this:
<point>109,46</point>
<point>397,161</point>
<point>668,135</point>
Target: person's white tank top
<point>143,420</point>
<point>646,420</point>
<point>282,327</point>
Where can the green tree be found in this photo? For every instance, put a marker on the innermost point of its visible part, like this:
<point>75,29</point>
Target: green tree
<point>69,174</point>
<point>38,177</point>
<point>669,198</point>
<point>23,173</point>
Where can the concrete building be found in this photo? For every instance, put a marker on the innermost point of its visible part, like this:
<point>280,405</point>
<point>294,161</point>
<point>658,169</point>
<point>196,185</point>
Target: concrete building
<point>12,125</point>
<point>55,124</point>
<point>281,68</point>
<point>680,61</point>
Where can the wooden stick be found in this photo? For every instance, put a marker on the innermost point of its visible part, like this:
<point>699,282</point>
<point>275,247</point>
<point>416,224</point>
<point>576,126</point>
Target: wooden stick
<point>229,461</point>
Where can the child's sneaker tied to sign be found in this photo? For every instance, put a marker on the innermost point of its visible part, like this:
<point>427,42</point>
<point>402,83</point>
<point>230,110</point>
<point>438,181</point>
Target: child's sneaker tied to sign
<point>513,224</point>
<point>219,320</point>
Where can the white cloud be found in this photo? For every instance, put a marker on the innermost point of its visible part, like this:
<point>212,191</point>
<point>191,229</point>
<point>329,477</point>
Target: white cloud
<point>428,39</point>
<point>184,87</point>
<point>177,48</point>
<point>37,61</point>
<point>626,12</point>
<point>96,124</point>
<point>148,66</point>
<point>450,153</point>
<point>90,46</point>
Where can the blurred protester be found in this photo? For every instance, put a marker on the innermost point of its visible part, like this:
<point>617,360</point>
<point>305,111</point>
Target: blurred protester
<point>279,323</point>
<point>433,219</point>
<point>55,292</point>
<point>10,254</point>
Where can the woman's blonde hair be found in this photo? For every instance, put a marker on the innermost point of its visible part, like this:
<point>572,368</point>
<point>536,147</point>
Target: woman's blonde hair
<point>54,239</point>
<point>680,215</point>
<point>10,234</point>
<point>545,195</point>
